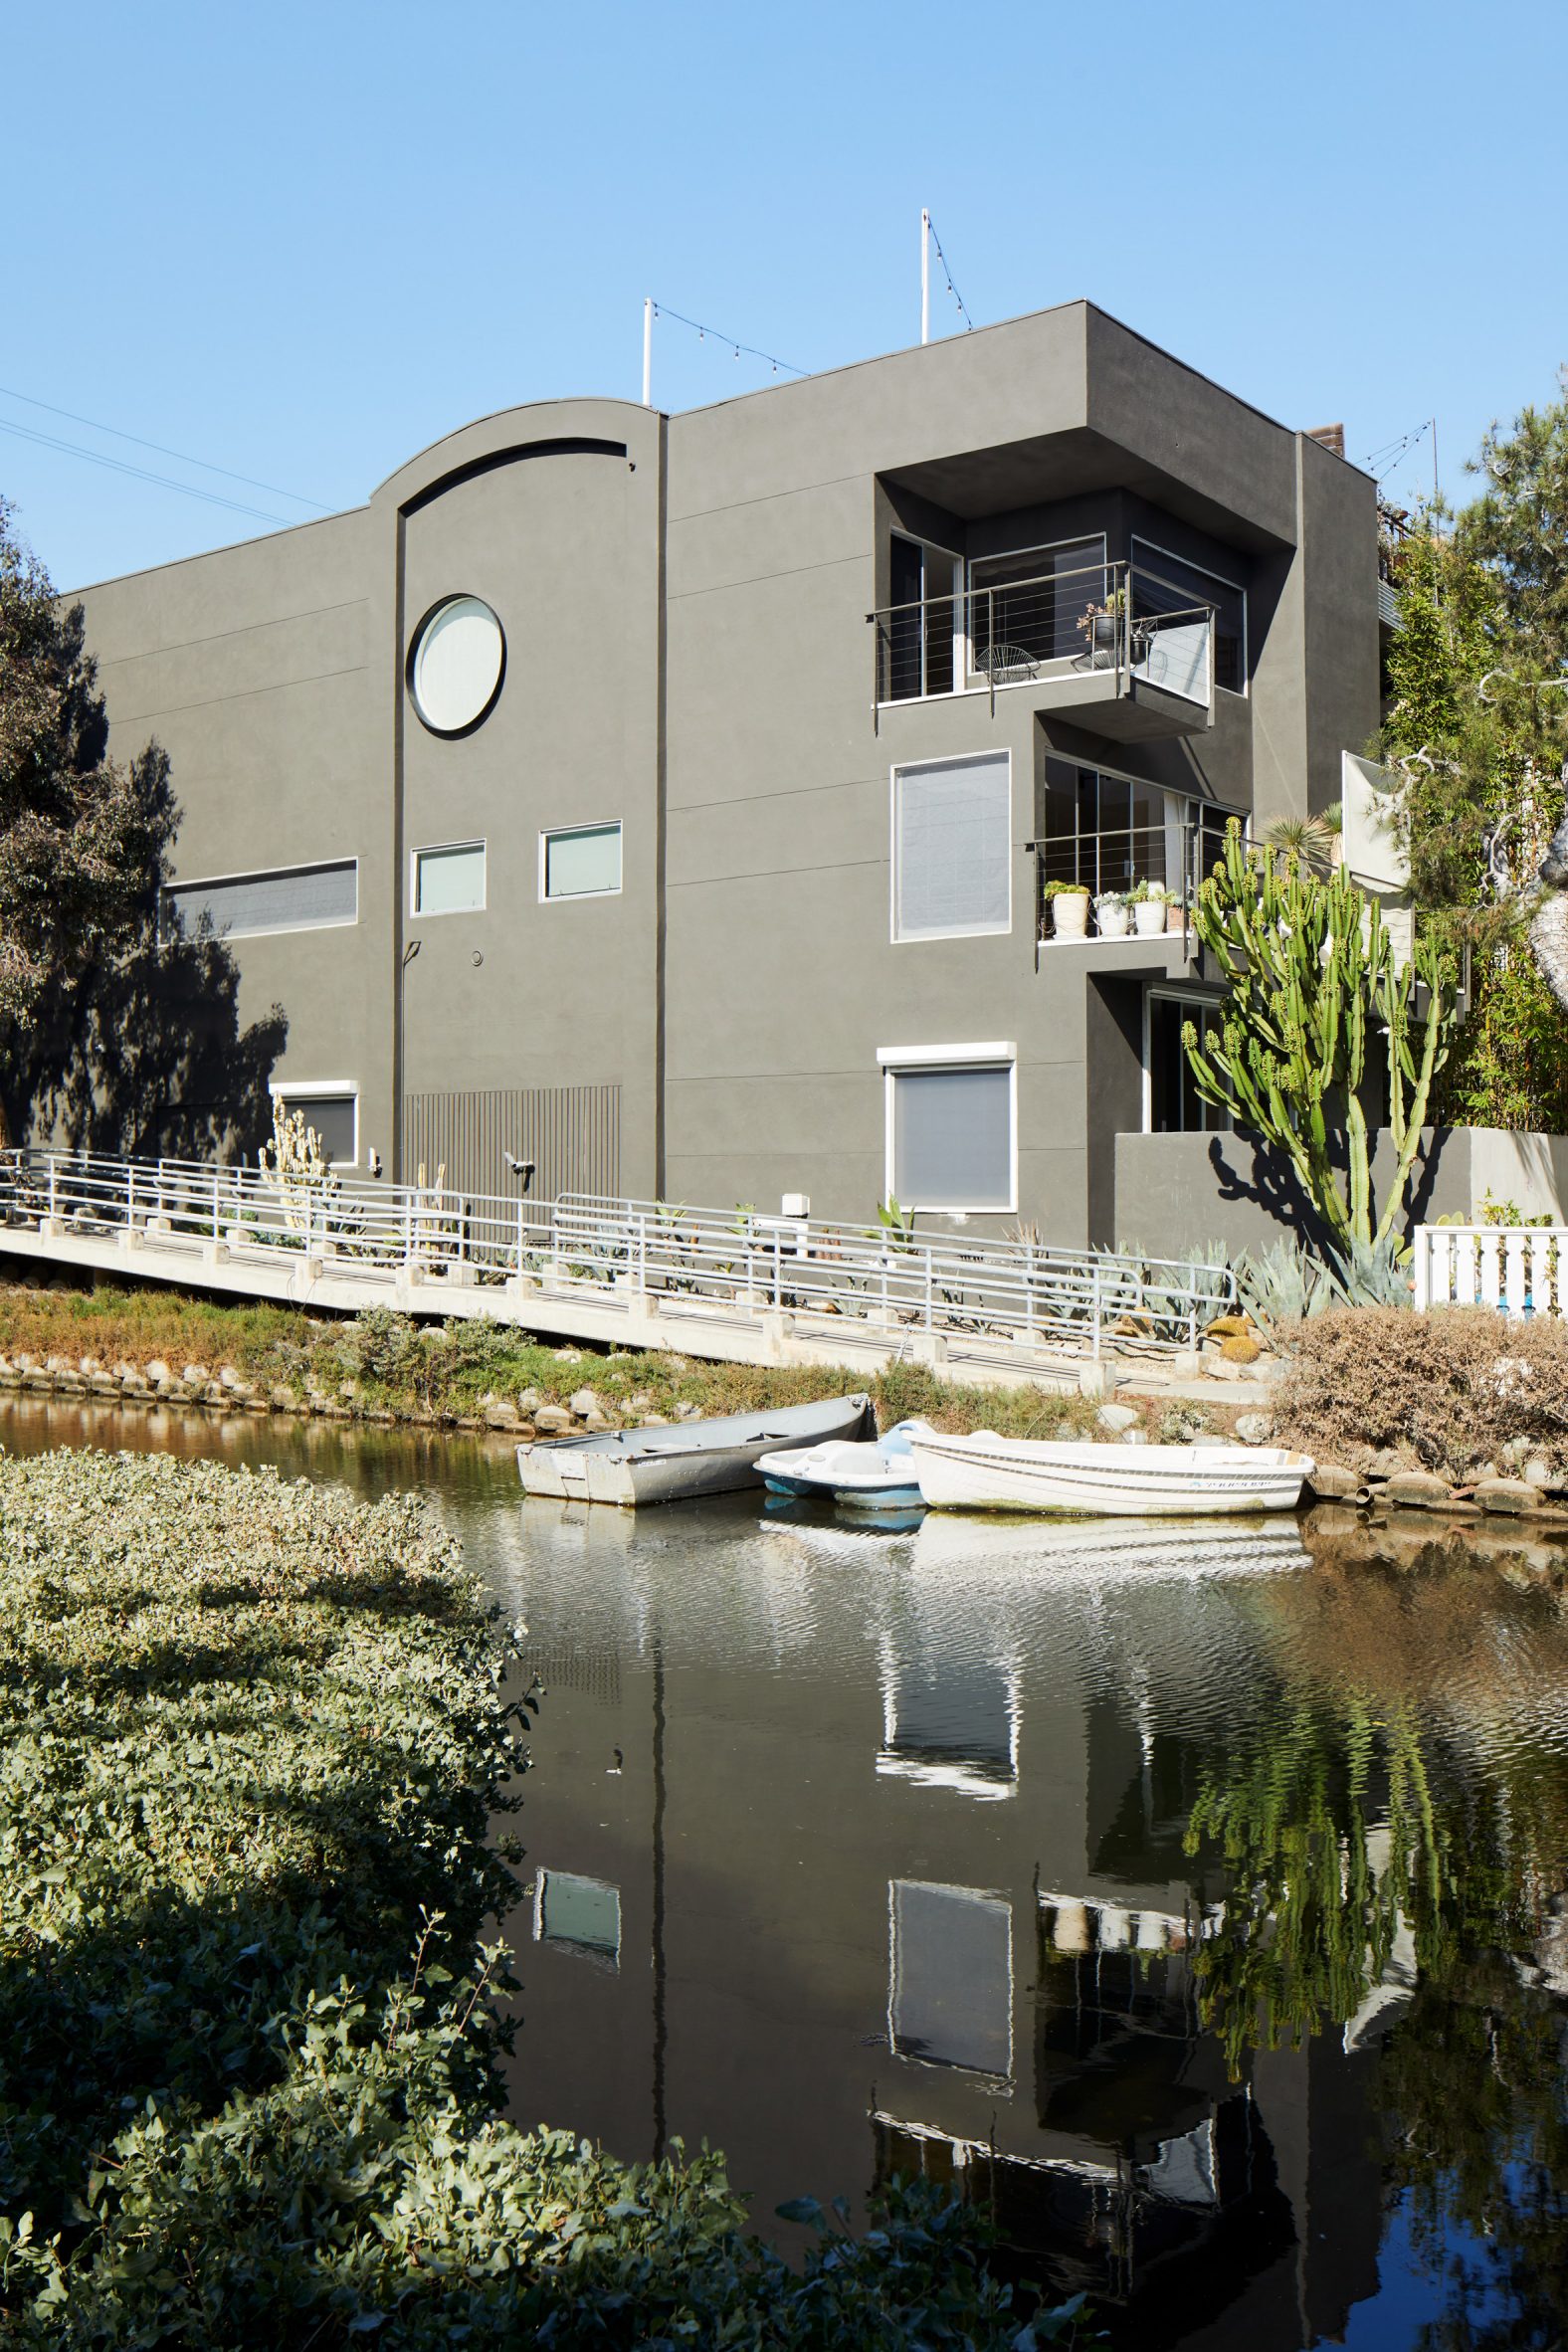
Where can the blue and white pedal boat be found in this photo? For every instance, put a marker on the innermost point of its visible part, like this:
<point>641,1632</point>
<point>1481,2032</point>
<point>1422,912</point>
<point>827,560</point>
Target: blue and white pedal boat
<point>876,1476</point>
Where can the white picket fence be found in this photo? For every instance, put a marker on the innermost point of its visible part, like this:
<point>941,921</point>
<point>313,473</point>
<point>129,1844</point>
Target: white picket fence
<point>1521,1270</point>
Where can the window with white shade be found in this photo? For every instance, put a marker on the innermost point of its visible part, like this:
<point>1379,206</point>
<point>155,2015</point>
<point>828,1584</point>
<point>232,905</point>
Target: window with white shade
<point>580,861</point>
<point>455,665</point>
<point>450,881</point>
<point>952,1116</point>
<point>952,862</point>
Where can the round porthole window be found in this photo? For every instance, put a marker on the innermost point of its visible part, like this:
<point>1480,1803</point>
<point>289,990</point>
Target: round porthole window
<point>455,665</point>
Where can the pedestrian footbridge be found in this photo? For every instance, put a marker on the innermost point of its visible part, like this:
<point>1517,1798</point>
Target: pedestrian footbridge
<point>733,1286</point>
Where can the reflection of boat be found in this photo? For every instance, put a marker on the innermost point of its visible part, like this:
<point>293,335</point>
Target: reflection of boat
<point>1136,1547</point>
<point>691,1458</point>
<point>876,1476</point>
<point>985,1473</point>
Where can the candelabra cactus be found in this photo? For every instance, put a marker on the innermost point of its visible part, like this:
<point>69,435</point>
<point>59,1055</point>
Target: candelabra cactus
<point>1311,973</point>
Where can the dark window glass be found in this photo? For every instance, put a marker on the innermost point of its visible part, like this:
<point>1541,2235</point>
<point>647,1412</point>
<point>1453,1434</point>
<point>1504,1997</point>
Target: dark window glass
<point>1026,608</point>
<point>917,649</point>
<point>1162,583</point>
<point>334,1117</point>
<point>1175,1107</point>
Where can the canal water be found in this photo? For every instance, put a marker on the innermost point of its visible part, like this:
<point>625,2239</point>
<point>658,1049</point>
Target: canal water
<point>1194,1900</point>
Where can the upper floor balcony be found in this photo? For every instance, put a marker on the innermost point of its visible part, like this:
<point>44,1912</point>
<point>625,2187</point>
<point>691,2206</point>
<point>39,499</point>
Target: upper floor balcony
<point>1112,645</point>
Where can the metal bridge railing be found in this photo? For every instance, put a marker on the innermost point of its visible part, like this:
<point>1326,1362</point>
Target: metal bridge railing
<point>721,1265</point>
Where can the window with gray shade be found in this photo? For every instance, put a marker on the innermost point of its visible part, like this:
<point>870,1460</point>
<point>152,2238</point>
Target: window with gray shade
<point>294,898</point>
<point>336,1119</point>
<point>584,1913</point>
<point>952,848</point>
<point>952,1977</point>
<point>450,881</point>
<point>952,1138</point>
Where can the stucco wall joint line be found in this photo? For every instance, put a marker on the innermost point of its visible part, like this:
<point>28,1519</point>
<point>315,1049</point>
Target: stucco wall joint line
<point>180,645</point>
<point>749,800</point>
<point>801,489</point>
<point>129,718</point>
<point>707,881</point>
<point>761,579</point>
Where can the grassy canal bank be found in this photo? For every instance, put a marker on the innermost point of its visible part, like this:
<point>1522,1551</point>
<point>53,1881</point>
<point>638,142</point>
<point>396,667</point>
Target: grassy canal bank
<point>116,1342</point>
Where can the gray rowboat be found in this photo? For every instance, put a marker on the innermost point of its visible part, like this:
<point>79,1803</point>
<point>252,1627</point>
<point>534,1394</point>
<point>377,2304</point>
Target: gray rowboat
<point>634,1466</point>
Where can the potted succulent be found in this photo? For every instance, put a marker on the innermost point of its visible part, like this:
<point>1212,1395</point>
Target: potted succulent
<point>1069,903</point>
<point>1100,625</point>
<point>1112,915</point>
<point>1147,901</point>
<point>1175,912</point>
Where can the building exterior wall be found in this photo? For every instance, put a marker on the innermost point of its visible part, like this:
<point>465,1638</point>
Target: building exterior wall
<point>686,607</point>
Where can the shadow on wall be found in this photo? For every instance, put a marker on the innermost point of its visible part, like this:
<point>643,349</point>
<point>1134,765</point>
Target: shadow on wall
<point>1245,1169</point>
<point>139,1052</point>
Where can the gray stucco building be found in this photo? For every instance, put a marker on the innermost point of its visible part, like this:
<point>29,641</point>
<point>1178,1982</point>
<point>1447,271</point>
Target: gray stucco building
<point>570,803</point>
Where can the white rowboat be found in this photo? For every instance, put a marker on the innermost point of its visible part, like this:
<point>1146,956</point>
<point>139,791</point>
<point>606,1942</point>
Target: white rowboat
<point>632,1467</point>
<point>985,1473</point>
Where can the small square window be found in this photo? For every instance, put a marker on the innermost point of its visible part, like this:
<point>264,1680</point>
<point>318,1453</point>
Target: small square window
<point>450,881</point>
<point>950,1141</point>
<point>334,1115</point>
<point>580,861</point>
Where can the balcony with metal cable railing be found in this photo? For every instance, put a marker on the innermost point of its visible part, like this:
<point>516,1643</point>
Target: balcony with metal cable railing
<point>1113,642</point>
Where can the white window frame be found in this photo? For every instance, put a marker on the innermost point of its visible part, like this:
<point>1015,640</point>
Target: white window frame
<point>1208,1001</point>
<point>215,881</point>
<point>1205,571</point>
<point>892,1060</point>
<point>441,849</point>
<point>297,1093</point>
<point>1006,555</point>
<point>549,832</point>
<point>910,768</point>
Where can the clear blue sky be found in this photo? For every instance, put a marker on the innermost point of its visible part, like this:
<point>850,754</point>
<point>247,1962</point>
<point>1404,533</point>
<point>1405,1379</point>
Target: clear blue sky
<point>302,241</point>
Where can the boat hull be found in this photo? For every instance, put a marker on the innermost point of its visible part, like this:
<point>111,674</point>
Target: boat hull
<point>991,1474</point>
<point>635,1467</point>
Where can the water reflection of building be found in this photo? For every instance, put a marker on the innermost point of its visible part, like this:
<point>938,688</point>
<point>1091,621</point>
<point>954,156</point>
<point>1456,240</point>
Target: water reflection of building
<point>826,1925</point>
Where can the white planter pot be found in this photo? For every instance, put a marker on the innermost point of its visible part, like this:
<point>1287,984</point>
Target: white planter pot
<point>1113,922</point>
<point>1069,914</point>
<point>1148,917</point>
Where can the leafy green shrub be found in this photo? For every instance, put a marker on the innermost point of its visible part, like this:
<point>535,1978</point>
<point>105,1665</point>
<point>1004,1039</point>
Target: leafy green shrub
<point>252,1734</point>
<point>1453,1390</point>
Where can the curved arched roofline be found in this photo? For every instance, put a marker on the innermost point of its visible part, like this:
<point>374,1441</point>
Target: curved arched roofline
<point>541,427</point>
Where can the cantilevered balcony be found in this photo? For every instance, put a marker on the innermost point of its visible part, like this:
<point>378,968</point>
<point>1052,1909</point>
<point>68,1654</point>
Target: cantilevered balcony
<point>1111,644</point>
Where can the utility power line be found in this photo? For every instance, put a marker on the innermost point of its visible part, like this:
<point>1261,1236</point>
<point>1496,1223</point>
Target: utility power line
<point>94,456</point>
<point>180,456</point>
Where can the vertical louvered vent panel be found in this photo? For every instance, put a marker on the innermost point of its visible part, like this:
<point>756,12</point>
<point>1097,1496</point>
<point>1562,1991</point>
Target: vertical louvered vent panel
<point>572,1133</point>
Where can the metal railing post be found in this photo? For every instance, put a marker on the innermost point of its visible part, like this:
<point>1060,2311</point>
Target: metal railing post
<point>931,1292</point>
<point>1095,1313</point>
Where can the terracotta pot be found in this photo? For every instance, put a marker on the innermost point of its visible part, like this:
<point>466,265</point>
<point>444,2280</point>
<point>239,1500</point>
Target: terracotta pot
<point>1176,919</point>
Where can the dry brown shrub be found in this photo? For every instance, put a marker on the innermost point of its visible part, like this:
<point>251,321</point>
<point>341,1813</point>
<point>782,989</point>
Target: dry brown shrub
<point>1452,1391</point>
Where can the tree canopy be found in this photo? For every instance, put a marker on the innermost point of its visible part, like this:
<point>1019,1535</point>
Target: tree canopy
<point>113,1034</point>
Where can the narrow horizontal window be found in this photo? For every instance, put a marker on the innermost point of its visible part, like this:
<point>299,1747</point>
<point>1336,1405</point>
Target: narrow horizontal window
<point>334,1115</point>
<point>244,906</point>
<point>580,861</point>
<point>450,881</point>
<point>950,1136</point>
<point>952,848</point>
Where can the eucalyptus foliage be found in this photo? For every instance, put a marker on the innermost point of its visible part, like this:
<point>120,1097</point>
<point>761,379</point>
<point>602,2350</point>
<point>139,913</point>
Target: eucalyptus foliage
<point>253,1738</point>
<point>1312,983</point>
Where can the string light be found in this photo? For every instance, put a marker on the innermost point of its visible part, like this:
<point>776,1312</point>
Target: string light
<point>969,324</point>
<point>702,332</point>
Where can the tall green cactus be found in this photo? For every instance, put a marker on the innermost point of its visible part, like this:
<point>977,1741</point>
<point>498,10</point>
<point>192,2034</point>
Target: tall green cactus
<point>1312,974</point>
